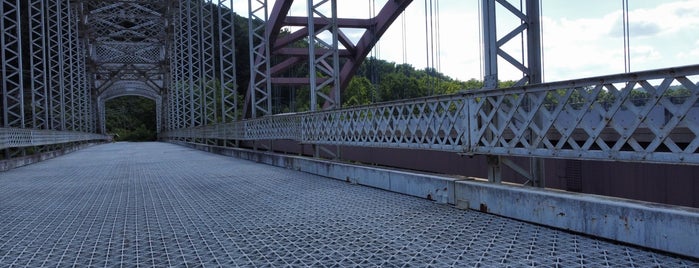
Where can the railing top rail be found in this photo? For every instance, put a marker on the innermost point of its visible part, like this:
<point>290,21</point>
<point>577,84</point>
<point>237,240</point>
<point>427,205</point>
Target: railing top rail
<point>25,137</point>
<point>579,122</point>
<point>598,80</point>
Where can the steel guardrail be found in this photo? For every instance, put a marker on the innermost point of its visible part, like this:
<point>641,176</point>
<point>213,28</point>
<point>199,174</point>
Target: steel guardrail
<point>648,116</point>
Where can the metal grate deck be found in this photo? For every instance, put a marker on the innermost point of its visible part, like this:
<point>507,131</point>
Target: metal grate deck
<point>158,204</point>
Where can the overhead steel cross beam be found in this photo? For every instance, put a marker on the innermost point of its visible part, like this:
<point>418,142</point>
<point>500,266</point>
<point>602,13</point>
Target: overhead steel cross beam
<point>126,41</point>
<point>353,53</point>
<point>125,31</point>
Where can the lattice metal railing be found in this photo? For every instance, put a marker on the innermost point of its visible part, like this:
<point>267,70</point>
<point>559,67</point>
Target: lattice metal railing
<point>646,116</point>
<point>430,123</point>
<point>650,116</point>
<point>22,137</point>
<point>264,128</point>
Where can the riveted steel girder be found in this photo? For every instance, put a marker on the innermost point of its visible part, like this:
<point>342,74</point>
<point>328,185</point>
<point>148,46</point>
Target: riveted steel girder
<point>269,43</point>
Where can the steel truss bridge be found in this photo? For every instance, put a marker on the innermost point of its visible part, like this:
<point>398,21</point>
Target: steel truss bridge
<point>63,60</point>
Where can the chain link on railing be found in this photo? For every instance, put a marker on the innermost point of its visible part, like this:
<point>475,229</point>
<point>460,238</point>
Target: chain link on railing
<point>649,116</point>
<point>24,137</point>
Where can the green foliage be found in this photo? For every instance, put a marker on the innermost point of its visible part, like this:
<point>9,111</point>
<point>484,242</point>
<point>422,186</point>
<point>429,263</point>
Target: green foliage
<point>360,91</point>
<point>506,84</point>
<point>131,118</point>
<point>378,81</point>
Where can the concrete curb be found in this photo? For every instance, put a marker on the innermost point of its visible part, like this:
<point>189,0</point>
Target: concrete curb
<point>8,164</point>
<point>666,228</point>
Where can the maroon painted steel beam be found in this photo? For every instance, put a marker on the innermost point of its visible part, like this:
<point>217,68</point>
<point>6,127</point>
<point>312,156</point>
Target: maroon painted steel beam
<point>346,42</point>
<point>290,38</point>
<point>300,51</point>
<point>295,81</point>
<point>286,64</point>
<point>388,14</point>
<point>273,26</point>
<point>354,53</point>
<point>375,28</point>
<point>303,33</point>
<point>276,19</point>
<point>341,23</point>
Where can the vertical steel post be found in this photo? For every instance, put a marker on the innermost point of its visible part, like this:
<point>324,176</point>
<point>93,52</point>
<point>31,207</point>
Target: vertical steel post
<point>311,56</point>
<point>209,103</point>
<point>490,79</point>
<point>327,64</point>
<point>38,68</point>
<point>158,116</point>
<point>13,114</point>
<point>179,52</point>
<point>193,62</point>
<point>260,88</point>
<point>534,61</point>
<point>12,65</point>
<point>490,45</point>
<point>101,111</point>
<point>227,67</point>
<point>169,77</point>
<point>70,98</point>
<point>532,69</point>
<point>325,88</point>
<point>85,120</point>
<point>56,57</point>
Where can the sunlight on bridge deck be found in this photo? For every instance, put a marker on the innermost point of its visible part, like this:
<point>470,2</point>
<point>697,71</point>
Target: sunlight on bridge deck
<point>158,204</point>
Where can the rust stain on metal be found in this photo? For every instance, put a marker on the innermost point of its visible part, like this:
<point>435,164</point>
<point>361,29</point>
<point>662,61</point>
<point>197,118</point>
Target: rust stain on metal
<point>484,208</point>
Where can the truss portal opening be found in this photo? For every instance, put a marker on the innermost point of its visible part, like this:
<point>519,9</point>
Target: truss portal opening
<point>131,118</point>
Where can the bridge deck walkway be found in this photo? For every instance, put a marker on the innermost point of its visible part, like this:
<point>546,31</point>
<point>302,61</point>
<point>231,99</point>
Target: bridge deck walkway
<point>158,204</point>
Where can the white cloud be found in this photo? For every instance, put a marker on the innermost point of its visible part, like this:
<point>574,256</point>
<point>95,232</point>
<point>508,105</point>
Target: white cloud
<point>594,46</point>
<point>644,54</point>
<point>580,47</point>
<point>458,45</point>
<point>663,35</point>
<point>694,53</point>
<point>672,17</point>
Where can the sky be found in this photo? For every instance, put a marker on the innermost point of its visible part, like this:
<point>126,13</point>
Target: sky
<point>581,38</point>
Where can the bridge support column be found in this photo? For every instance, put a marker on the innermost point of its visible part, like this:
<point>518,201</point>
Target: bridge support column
<point>535,75</point>
<point>260,90</point>
<point>494,169</point>
<point>490,45</point>
<point>537,172</point>
<point>325,92</point>
<point>101,115</point>
<point>158,115</point>
<point>227,62</point>
<point>531,67</point>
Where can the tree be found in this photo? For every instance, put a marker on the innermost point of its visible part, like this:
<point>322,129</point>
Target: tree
<point>131,118</point>
<point>360,91</point>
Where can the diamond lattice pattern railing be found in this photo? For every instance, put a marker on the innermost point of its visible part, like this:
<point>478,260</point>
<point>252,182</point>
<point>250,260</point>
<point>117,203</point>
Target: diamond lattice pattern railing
<point>650,116</point>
